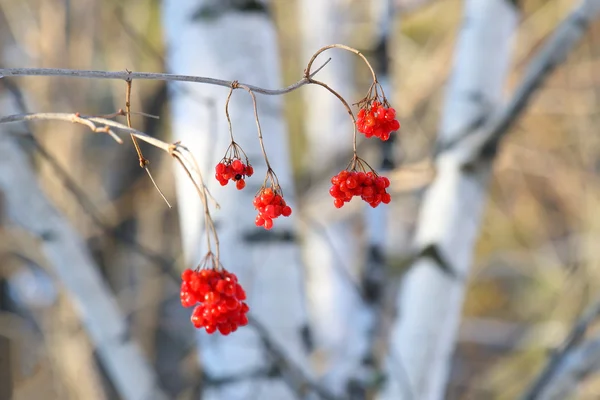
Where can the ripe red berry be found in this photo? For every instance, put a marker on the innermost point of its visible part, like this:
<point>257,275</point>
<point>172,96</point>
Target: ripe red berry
<point>237,166</point>
<point>270,205</point>
<point>268,224</point>
<point>374,119</point>
<point>218,298</point>
<point>233,169</point>
<point>368,186</point>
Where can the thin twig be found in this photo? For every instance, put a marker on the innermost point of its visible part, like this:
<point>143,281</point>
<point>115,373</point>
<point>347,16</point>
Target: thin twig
<point>90,122</point>
<point>233,86</point>
<point>256,119</point>
<point>143,161</point>
<point>574,338</point>
<point>555,50</point>
<point>333,46</point>
<point>282,360</point>
<point>348,109</point>
<point>125,75</point>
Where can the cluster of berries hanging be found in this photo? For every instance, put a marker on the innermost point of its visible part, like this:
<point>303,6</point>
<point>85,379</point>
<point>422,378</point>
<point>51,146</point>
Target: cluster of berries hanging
<point>216,294</point>
<point>376,117</point>
<point>218,297</point>
<point>232,168</point>
<point>368,185</point>
<point>270,204</point>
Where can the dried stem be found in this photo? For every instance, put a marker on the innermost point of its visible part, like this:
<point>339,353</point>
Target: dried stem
<point>181,154</point>
<point>236,85</point>
<point>308,76</point>
<point>227,110</point>
<point>143,161</point>
<point>348,109</point>
<point>307,73</point>
<point>175,150</point>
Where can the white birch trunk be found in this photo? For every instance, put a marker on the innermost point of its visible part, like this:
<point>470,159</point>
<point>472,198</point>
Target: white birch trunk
<point>330,250</point>
<point>27,207</point>
<point>376,219</point>
<point>223,41</point>
<point>430,301</point>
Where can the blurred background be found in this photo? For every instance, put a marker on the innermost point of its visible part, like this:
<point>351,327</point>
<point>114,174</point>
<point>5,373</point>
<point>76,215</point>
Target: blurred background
<point>535,263</point>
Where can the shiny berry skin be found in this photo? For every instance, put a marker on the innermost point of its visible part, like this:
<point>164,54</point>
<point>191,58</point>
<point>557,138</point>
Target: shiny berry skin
<point>374,119</point>
<point>218,300</point>
<point>270,205</point>
<point>368,186</point>
<point>233,170</point>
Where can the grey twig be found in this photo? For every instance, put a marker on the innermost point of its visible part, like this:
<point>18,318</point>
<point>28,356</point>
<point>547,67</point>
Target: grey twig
<point>125,75</point>
<point>563,357</point>
<point>556,49</point>
<point>90,122</point>
<point>296,378</point>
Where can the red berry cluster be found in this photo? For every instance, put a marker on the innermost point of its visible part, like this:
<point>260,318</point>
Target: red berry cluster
<point>369,186</point>
<point>270,205</point>
<point>377,120</point>
<point>235,170</point>
<point>221,300</point>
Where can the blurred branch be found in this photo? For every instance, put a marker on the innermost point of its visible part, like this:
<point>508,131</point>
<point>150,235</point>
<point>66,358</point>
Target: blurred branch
<point>574,368</point>
<point>27,206</point>
<point>554,52</point>
<point>6,371</point>
<point>166,265</point>
<point>293,374</point>
<point>568,359</point>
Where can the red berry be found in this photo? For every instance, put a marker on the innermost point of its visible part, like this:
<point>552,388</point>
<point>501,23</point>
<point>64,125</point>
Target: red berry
<point>210,329</point>
<point>187,275</point>
<point>370,187</point>
<point>240,184</point>
<point>220,297</point>
<point>268,224</point>
<point>240,294</point>
<point>237,166</point>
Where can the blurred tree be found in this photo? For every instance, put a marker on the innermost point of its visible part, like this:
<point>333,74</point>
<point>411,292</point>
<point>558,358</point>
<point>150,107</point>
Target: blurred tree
<point>430,301</point>
<point>331,250</point>
<point>237,40</point>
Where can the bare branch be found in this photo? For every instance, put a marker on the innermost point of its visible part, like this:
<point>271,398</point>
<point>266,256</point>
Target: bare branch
<point>566,359</point>
<point>125,75</point>
<point>297,376</point>
<point>91,122</point>
<point>27,207</point>
<point>577,366</point>
<point>554,52</point>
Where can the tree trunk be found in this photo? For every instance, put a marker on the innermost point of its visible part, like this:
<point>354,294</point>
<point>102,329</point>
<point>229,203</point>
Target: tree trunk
<point>26,207</point>
<point>430,301</point>
<point>330,248</point>
<point>236,40</point>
